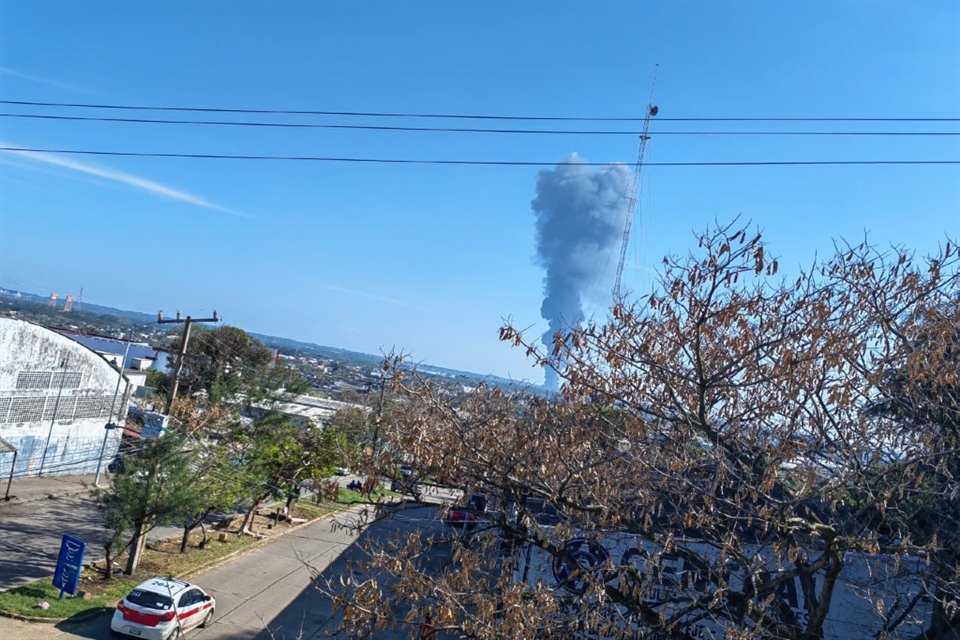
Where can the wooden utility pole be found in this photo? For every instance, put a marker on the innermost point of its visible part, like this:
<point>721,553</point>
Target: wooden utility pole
<point>178,366</point>
<point>144,521</point>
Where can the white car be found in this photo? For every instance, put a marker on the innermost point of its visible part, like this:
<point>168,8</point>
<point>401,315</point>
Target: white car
<point>162,608</point>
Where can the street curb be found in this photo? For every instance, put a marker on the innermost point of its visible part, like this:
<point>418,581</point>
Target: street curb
<point>80,617</point>
<point>256,545</point>
<point>17,616</point>
<point>14,499</point>
<point>204,567</point>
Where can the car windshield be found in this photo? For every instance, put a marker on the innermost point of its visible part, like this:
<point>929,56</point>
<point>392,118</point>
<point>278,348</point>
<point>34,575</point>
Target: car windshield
<point>477,501</point>
<point>149,599</point>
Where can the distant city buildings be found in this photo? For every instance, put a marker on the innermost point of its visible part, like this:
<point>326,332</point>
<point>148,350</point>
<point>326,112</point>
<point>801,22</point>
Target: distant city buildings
<point>303,410</point>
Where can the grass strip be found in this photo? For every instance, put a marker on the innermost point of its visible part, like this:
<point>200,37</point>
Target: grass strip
<point>96,595</point>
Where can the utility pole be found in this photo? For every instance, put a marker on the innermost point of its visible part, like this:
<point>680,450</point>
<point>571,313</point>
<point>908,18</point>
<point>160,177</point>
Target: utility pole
<point>56,406</point>
<point>178,367</point>
<point>139,538</point>
<point>120,417</point>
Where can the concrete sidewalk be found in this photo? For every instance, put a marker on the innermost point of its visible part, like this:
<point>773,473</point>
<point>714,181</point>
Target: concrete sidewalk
<point>31,489</point>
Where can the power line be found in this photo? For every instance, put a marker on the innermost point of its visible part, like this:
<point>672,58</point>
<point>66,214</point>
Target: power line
<point>487,163</point>
<point>457,116</point>
<point>370,127</point>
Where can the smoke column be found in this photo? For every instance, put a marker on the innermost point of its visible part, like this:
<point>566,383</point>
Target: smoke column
<point>580,213</point>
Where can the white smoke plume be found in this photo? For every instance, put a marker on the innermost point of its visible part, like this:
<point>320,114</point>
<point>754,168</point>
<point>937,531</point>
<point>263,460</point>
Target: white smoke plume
<point>580,213</point>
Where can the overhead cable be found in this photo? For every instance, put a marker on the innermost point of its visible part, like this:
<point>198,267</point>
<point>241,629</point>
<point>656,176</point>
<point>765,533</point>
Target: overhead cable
<point>464,116</point>
<point>371,127</point>
<point>491,163</point>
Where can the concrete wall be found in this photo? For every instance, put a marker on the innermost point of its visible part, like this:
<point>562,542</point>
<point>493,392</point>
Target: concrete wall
<point>41,399</point>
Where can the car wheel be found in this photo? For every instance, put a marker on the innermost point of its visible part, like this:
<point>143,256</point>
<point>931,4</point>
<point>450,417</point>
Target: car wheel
<point>206,621</point>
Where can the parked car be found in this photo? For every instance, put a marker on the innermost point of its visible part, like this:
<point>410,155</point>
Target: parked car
<point>460,518</point>
<point>468,514</point>
<point>162,609</point>
<point>342,471</point>
<point>116,465</point>
<point>402,486</point>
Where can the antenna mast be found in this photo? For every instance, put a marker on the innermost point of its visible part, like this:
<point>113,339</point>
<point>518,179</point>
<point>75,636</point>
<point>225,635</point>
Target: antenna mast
<point>633,188</point>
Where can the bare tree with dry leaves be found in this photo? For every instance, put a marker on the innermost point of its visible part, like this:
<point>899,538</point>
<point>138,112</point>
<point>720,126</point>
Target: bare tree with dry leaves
<point>737,455</point>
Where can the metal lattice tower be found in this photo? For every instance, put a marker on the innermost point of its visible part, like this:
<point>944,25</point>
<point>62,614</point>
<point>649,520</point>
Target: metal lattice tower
<point>633,189</point>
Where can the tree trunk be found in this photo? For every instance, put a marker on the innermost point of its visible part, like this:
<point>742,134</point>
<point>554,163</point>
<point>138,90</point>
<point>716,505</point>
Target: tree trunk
<point>137,542</point>
<point>108,553</point>
<point>945,624</point>
<point>248,519</point>
<point>186,537</point>
<point>203,539</point>
<point>139,538</point>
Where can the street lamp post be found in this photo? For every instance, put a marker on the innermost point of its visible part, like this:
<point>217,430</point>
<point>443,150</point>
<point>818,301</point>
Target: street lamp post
<point>110,426</point>
<point>53,418</point>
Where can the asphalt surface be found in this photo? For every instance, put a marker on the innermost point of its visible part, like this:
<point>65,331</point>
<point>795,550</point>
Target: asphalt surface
<point>30,535</point>
<point>269,594</point>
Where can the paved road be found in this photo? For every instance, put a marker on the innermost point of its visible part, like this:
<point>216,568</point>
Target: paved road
<point>30,532</point>
<point>268,594</point>
<point>30,535</point>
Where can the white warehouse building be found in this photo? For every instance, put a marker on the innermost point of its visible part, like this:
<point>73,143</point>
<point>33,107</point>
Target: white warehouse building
<point>56,396</point>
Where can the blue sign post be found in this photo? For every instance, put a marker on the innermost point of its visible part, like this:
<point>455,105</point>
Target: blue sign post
<point>69,564</point>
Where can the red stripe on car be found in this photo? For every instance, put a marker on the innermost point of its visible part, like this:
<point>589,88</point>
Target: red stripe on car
<point>187,614</point>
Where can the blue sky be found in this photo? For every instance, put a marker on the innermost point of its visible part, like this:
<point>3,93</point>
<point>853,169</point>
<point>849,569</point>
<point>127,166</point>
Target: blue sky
<point>430,259</point>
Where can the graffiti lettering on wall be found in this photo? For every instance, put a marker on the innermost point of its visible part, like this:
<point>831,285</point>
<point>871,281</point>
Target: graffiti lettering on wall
<point>872,590</point>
